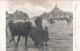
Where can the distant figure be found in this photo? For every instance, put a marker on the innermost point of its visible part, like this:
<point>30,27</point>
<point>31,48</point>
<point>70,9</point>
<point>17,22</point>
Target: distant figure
<point>45,36</point>
<point>61,19</point>
<point>68,21</point>
<point>51,21</point>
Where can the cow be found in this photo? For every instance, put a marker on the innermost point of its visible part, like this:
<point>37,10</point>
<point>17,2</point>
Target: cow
<point>19,29</point>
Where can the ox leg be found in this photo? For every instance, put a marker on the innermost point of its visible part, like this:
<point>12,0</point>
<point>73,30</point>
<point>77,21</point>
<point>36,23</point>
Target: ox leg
<point>42,43</point>
<point>26,38</point>
<point>13,39</point>
<point>18,40</point>
<point>46,44</point>
<point>10,40</point>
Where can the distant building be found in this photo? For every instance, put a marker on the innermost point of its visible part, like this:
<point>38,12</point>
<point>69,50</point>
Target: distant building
<point>56,8</point>
<point>57,13</point>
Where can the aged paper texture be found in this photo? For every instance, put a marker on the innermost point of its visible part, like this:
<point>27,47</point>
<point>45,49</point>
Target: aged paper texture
<point>39,25</point>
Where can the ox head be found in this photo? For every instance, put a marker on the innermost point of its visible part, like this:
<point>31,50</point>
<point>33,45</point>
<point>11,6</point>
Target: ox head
<point>28,25</point>
<point>10,22</point>
<point>32,24</point>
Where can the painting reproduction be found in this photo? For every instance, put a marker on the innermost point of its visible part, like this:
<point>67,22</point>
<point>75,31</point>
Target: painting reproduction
<point>39,25</point>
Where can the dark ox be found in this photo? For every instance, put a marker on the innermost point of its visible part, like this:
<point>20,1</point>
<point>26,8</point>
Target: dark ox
<point>39,36</point>
<point>19,29</point>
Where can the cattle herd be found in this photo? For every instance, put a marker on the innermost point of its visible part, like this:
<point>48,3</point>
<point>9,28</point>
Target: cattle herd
<point>38,35</point>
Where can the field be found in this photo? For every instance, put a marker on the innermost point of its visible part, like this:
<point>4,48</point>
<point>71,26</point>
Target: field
<point>61,38</point>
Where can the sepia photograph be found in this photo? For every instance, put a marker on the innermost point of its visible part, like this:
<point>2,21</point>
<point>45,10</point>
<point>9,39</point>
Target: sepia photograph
<point>39,25</point>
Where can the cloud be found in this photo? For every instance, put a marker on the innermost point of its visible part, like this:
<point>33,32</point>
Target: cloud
<point>37,7</point>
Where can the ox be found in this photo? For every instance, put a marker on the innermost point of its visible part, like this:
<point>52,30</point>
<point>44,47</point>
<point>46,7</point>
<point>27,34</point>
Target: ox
<point>19,29</point>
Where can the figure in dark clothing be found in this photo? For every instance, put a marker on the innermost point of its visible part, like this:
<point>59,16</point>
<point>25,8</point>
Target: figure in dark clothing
<point>45,36</point>
<point>51,21</point>
<point>68,21</point>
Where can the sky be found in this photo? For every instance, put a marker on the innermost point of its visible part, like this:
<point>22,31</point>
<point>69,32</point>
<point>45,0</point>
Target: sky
<point>37,7</point>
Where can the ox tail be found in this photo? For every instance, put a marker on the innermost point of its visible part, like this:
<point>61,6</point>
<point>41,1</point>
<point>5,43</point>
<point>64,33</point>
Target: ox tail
<point>6,31</point>
<point>7,25</point>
